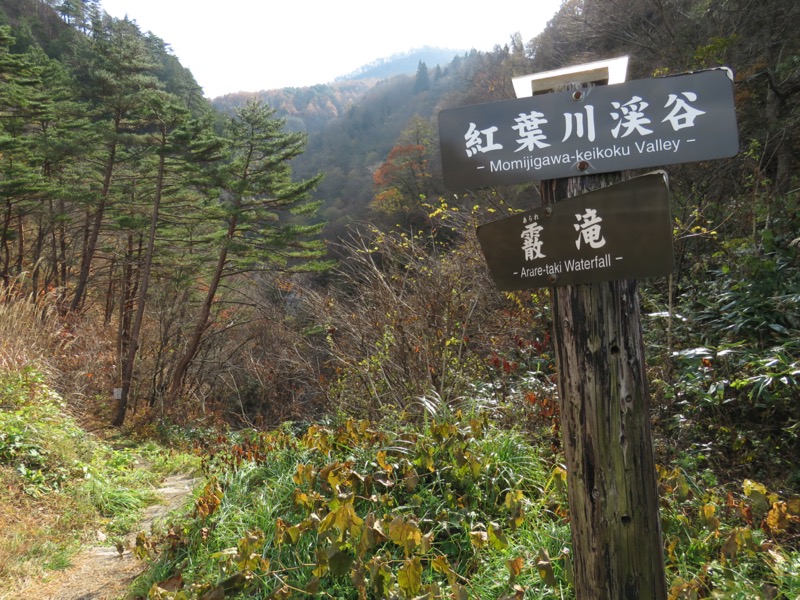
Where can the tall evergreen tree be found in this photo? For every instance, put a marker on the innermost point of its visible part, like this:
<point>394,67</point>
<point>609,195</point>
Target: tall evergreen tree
<point>21,183</point>
<point>181,144</point>
<point>62,136</point>
<point>258,212</point>
<point>422,83</point>
<point>118,75</point>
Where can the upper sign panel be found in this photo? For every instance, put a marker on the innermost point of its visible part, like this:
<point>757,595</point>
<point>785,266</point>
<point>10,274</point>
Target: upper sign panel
<point>633,125</point>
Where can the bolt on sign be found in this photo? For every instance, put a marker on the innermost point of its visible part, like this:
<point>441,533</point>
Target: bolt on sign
<point>623,231</point>
<point>637,124</point>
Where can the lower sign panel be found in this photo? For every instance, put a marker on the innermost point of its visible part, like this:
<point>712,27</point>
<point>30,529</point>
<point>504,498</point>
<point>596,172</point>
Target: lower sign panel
<point>622,231</point>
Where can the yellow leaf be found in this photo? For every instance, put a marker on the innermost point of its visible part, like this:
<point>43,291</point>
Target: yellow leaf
<point>409,576</point>
<point>322,564</point>
<point>478,538</point>
<point>778,518</point>
<point>300,499</point>
<point>460,592</point>
<point>440,564</point>
<point>405,534</point>
<point>709,516</point>
<point>332,475</point>
<point>757,494</point>
<point>559,479</point>
<point>410,479</point>
<point>671,545</point>
<point>294,533</point>
<point>519,592</point>
<point>793,506</point>
<point>427,542</point>
<point>731,546</point>
<point>382,461</point>
<point>545,568</point>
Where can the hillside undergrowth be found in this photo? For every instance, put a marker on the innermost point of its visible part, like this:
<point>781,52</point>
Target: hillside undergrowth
<point>450,507</point>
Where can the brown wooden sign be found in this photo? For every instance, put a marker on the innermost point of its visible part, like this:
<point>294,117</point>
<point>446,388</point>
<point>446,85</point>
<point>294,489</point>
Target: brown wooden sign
<point>619,232</point>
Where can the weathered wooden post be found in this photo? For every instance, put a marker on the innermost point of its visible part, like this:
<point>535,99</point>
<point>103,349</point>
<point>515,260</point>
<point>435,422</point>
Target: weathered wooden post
<point>605,409</point>
<point>605,423</point>
<point>593,237</point>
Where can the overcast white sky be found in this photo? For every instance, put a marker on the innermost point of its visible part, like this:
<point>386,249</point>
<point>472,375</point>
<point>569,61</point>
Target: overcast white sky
<point>251,45</point>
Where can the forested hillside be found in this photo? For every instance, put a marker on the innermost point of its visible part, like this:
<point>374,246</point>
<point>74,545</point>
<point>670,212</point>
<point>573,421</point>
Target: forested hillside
<point>117,175</point>
<point>353,123</point>
<point>280,282</point>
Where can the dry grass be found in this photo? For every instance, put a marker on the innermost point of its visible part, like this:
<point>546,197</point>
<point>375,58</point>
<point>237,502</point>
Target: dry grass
<point>74,352</point>
<point>28,333</point>
<point>33,530</point>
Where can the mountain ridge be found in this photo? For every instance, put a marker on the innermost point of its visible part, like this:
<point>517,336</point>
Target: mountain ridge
<point>402,63</point>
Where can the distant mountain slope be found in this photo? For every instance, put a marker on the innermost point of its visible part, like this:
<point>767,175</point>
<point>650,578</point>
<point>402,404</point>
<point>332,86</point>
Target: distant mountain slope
<point>304,108</point>
<point>354,122</point>
<point>310,108</point>
<point>403,63</point>
<point>41,23</point>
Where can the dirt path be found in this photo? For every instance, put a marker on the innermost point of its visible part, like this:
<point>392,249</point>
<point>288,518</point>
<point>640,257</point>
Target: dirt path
<point>100,572</point>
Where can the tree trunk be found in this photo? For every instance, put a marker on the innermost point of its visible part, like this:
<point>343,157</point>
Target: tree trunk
<point>202,321</point>
<point>94,233</point>
<point>133,345</point>
<point>5,230</point>
<point>60,256</point>
<point>605,412</point>
<point>36,257</point>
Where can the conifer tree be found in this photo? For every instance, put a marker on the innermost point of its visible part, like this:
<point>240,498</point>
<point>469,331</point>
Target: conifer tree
<point>21,184</point>
<point>259,210</point>
<point>182,146</point>
<point>63,136</point>
<point>117,76</point>
<point>422,83</point>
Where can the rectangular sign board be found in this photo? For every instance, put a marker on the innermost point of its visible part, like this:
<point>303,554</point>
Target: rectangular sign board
<point>633,125</point>
<point>623,231</point>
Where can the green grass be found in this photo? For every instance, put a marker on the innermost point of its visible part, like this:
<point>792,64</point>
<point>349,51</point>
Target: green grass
<point>441,507</point>
<point>457,505</point>
<point>66,484</point>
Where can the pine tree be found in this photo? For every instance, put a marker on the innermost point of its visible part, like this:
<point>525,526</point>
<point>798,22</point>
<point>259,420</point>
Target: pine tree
<point>62,137</point>
<point>182,145</point>
<point>422,83</point>
<point>259,210</point>
<point>21,184</point>
<point>117,76</point>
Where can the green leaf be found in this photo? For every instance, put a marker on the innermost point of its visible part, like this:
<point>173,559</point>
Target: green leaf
<point>496,537</point>
<point>340,563</point>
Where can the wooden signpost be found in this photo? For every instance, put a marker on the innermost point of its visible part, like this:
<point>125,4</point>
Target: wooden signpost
<point>603,390</point>
<point>605,424</point>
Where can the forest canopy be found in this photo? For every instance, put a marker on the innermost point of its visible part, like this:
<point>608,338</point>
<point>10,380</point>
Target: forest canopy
<point>128,202</point>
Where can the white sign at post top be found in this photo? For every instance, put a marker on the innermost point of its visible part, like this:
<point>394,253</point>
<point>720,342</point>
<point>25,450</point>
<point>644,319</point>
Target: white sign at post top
<point>608,72</point>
